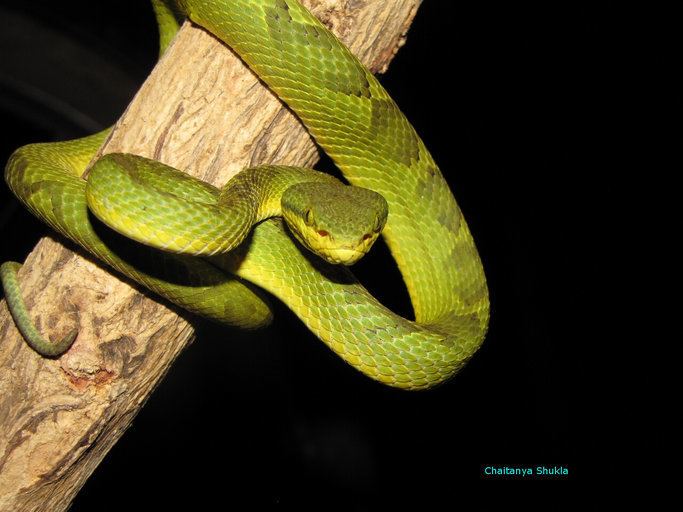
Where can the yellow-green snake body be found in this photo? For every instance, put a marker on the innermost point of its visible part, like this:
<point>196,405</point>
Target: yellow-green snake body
<point>359,126</point>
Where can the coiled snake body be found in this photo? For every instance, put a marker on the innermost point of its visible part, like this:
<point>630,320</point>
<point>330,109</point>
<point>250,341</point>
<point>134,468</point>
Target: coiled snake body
<point>355,121</point>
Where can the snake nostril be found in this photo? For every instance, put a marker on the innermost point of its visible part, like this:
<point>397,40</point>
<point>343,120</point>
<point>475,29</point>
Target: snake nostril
<point>366,236</point>
<point>322,232</point>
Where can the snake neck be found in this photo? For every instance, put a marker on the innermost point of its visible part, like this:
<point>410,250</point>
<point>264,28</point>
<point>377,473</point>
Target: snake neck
<point>264,186</point>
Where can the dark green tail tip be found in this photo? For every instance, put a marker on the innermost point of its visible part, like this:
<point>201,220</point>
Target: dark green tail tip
<point>55,350</point>
<point>17,308</point>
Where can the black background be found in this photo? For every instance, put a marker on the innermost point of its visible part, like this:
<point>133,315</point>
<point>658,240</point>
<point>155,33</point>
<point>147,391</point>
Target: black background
<point>523,107</point>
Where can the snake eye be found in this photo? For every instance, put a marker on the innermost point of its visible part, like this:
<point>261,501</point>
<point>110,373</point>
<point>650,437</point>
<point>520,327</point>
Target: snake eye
<point>308,217</point>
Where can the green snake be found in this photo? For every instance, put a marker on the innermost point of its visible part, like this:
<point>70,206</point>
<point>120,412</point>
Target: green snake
<point>359,126</point>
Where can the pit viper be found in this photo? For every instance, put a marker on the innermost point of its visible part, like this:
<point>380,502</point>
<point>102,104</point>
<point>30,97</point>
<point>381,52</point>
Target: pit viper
<point>354,120</point>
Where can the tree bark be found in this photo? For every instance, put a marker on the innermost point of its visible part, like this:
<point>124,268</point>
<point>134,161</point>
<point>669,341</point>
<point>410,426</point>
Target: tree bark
<point>201,110</point>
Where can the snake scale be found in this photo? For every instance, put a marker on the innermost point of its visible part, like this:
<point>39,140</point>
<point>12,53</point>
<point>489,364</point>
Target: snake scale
<point>359,126</point>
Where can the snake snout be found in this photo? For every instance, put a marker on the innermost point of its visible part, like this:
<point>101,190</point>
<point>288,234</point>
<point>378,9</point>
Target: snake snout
<point>341,256</point>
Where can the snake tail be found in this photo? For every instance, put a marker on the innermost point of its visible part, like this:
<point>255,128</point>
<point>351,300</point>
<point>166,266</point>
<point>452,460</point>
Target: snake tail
<point>22,319</point>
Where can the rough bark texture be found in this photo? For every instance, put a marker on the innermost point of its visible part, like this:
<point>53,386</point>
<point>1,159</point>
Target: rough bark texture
<point>202,110</point>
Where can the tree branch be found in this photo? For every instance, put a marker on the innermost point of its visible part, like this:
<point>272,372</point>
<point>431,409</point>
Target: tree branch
<point>201,110</point>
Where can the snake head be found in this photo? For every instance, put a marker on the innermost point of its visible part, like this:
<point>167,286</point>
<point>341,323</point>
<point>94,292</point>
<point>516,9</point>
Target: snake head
<point>337,222</point>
